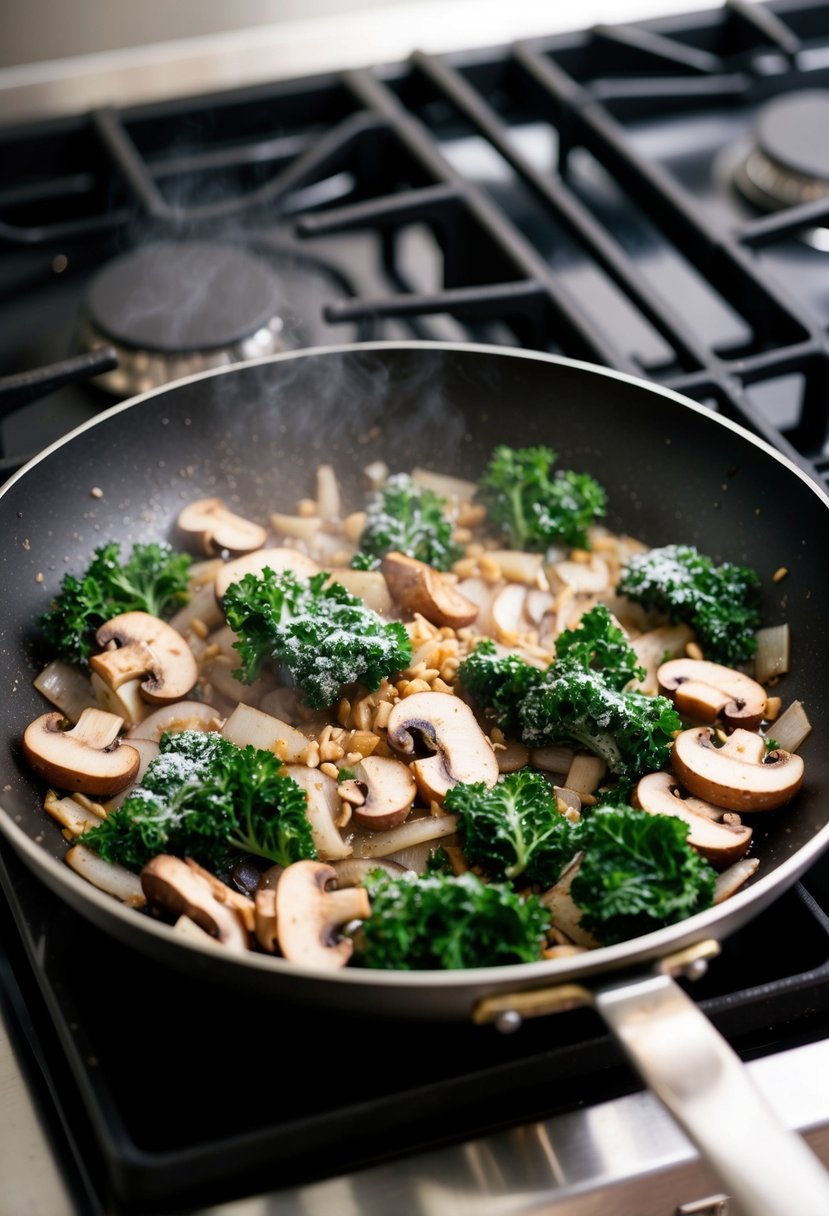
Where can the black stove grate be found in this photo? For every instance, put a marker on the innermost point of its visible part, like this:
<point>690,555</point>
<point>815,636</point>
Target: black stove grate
<point>541,244</point>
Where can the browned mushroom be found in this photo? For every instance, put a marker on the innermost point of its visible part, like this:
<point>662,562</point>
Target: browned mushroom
<point>308,915</point>
<point>209,522</point>
<point>254,563</point>
<point>719,842</point>
<point>171,884</point>
<point>738,776</point>
<point>389,790</point>
<point>704,691</point>
<point>417,587</point>
<point>447,726</point>
<point>88,758</point>
<point>136,645</point>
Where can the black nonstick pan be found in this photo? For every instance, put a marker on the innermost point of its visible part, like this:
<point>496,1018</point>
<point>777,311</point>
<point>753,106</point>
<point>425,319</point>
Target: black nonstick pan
<point>673,471</point>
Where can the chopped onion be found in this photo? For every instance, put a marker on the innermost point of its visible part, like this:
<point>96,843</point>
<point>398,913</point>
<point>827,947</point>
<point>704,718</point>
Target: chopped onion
<point>67,687</point>
<point>773,652</point>
<point>585,773</point>
<point>352,870</point>
<point>730,881</point>
<point>791,728</point>
<point>107,876</point>
<point>412,832</point>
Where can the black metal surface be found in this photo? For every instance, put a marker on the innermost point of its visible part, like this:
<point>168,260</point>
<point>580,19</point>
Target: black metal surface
<point>242,1122</point>
<point>572,194</point>
<point>793,132</point>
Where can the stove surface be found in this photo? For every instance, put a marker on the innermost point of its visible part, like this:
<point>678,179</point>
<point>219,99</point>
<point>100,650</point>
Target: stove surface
<point>582,193</point>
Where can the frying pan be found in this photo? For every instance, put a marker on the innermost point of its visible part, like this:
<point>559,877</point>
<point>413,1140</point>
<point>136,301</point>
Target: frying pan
<point>673,471</point>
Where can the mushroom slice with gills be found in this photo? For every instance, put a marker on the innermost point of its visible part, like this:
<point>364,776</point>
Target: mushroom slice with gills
<point>277,560</point>
<point>719,843</point>
<point>739,776</point>
<point>704,691</point>
<point>88,758</point>
<point>389,789</point>
<point>176,717</point>
<point>171,884</point>
<point>323,808</point>
<point>308,915</point>
<point>136,645</point>
<point>215,527</point>
<point>418,588</point>
<point>448,728</point>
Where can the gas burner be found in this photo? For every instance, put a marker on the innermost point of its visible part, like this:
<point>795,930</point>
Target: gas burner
<point>787,161</point>
<point>177,307</point>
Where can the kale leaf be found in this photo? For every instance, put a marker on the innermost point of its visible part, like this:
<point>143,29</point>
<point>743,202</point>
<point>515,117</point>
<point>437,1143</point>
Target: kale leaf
<point>720,603</point>
<point>321,634</point>
<point>515,829</point>
<point>637,874</point>
<point>535,506</point>
<point>405,517</point>
<point>449,921</point>
<point>153,579</point>
<point>580,698</point>
<point>204,797</point>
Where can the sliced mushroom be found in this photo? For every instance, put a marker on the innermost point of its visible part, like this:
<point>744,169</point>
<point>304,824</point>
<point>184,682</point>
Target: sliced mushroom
<point>136,645</point>
<point>704,691</point>
<point>718,842</point>
<point>272,559</point>
<point>417,587</point>
<point>88,757</point>
<point>738,776</point>
<point>389,792</point>
<point>308,915</point>
<point>448,728</point>
<point>176,717</point>
<point>215,527</point>
<point>171,884</point>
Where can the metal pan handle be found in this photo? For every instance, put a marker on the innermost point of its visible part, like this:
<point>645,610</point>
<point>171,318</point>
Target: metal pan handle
<point>766,1168</point>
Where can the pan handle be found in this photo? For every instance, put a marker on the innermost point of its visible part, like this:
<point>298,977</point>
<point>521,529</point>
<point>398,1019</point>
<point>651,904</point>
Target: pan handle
<point>766,1168</point>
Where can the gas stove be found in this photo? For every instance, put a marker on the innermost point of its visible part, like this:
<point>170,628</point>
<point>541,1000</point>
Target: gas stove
<point>652,196</point>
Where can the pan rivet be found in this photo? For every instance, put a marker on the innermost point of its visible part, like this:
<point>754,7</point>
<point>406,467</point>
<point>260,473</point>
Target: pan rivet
<point>508,1022</point>
<point>697,969</point>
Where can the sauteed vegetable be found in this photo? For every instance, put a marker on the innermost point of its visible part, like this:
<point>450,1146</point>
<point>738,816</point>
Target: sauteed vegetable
<point>383,739</point>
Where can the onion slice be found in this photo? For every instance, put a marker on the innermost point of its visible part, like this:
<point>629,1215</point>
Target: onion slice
<point>791,728</point>
<point>773,652</point>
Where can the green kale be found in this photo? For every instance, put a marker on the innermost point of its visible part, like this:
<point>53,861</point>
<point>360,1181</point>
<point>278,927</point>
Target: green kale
<point>535,507</point>
<point>153,579</point>
<point>499,683</point>
<point>579,699</point>
<point>204,797</point>
<point>632,732</point>
<point>514,830</point>
<point>720,603</point>
<point>405,517</point>
<point>597,643</point>
<point>322,635</point>
<point>637,874</point>
<point>449,921</point>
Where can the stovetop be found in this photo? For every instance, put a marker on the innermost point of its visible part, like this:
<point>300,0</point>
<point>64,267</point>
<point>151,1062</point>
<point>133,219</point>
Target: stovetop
<point>576,194</point>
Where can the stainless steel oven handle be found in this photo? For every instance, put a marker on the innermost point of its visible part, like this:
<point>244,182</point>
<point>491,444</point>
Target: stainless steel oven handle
<point>765,1167</point>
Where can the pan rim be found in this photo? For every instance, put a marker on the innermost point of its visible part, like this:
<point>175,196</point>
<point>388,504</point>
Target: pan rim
<point>637,951</point>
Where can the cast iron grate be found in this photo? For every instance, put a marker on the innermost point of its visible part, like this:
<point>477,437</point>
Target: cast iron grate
<point>380,151</point>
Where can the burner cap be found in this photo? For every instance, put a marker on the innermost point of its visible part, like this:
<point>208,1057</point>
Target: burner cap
<point>179,297</point>
<point>793,131</point>
<point>788,160</point>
